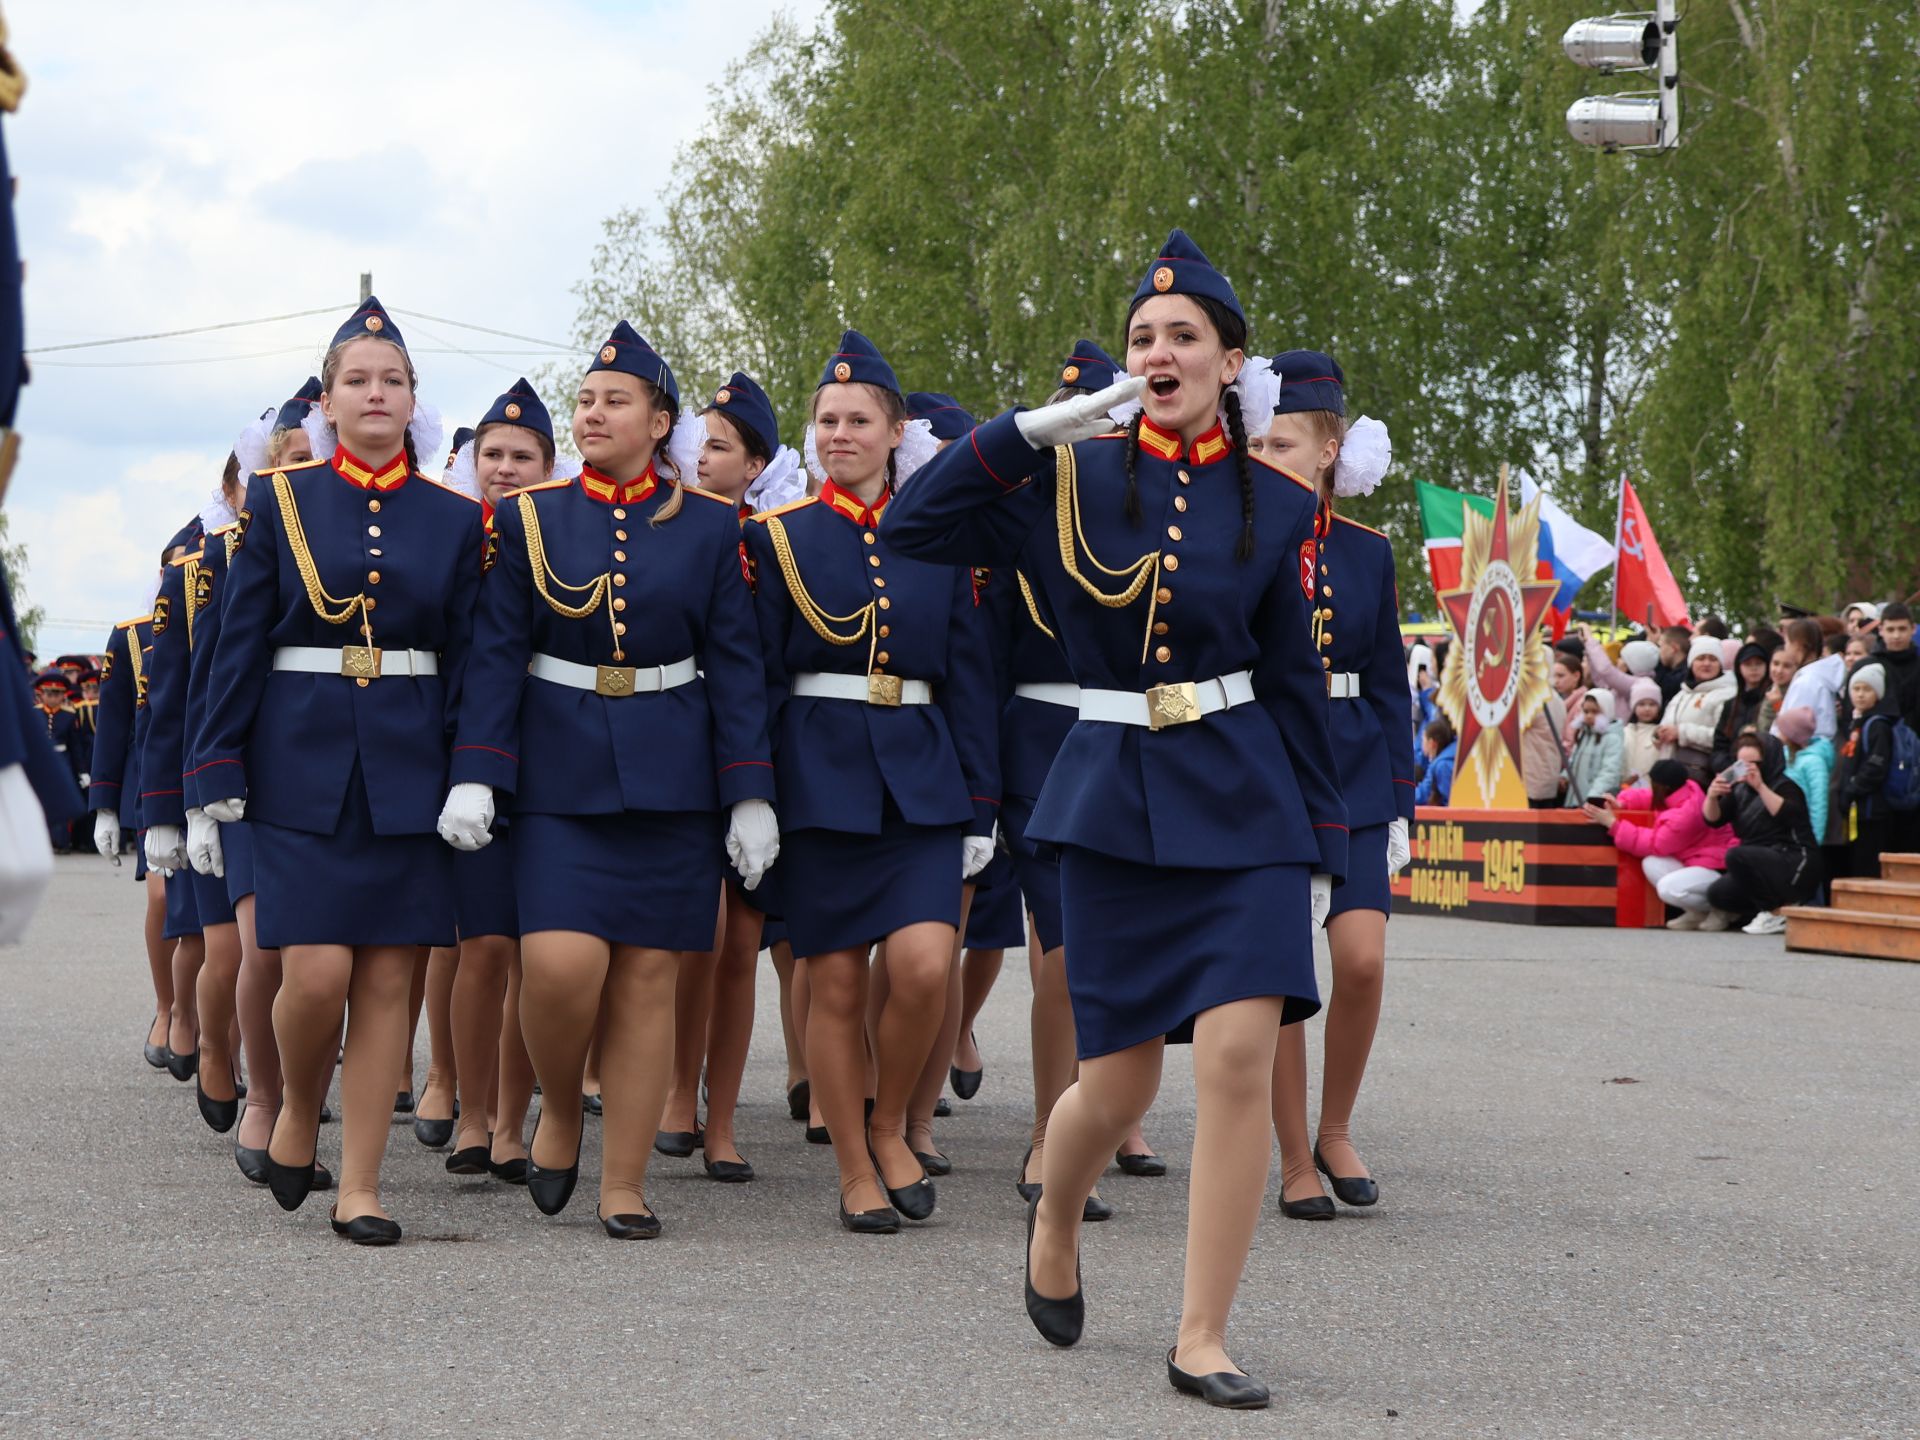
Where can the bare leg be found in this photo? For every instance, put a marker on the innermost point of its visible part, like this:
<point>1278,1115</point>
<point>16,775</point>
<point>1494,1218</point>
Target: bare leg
<point>214,1000</point>
<point>730,1030</point>
<point>636,1069</point>
<point>307,1014</point>
<point>416,1002</point>
<point>1050,1020</point>
<point>590,1069</point>
<point>436,1101</point>
<point>692,1006</point>
<point>837,1061</point>
<point>515,1071</point>
<point>920,962</point>
<point>376,1047</point>
<point>189,954</point>
<point>1298,1179</point>
<point>560,991</point>
<point>475,1008</point>
<point>793,1027</point>
<point>933,1073</point>
<point>1232,1073</point>
<point>978,970</point>
<point>159,960</point>
<point>258,983</point>
<point>1358,940</point>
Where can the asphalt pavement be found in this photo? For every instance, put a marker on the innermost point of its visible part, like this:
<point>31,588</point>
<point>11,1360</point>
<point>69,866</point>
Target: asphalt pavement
<point>1633,1185</point>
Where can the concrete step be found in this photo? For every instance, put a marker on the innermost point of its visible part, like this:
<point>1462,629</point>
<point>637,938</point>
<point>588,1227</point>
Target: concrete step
<point>1900,867</point>
<point>1853,932</point>
<point>1882,897</point>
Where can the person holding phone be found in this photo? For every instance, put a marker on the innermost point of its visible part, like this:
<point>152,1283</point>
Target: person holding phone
<point>1777,861</point>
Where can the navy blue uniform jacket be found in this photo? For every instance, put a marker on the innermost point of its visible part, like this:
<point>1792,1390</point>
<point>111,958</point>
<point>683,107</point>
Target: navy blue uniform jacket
<point>1360,609</point>
<point>674,590</point>
<point>289,742</point>
<point>123,695</point>
<point>1025,652</point>
<point>163,747</point>
<point>839,760</point>
<point>1251,786</point>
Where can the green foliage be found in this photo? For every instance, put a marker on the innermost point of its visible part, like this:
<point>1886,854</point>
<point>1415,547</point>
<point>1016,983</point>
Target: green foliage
<point>13,570</point>
<point>977,185</point>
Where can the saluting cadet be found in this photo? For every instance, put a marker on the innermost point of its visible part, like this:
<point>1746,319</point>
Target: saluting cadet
<point>115,799</point>
<point>616,694</point>
<point>1308,434</point>
<point>742,462</point>
<point>1194,801</point>
<point>335,677</point>
<point>881,691</point>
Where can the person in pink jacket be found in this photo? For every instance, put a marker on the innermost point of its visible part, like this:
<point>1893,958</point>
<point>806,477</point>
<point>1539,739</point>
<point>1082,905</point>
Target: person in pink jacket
<point>1637,659</point>
<point>1679,853</point>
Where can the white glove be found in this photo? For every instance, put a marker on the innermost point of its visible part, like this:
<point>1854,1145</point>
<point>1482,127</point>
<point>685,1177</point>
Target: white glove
<point>977,854</point>
<point>1081,418</point>
<point>1320,898</point>
<point>86,781</point>
<point>753,840</point>
<point>227,811</point>
<point>466,820</point>
<point>166,849</point>
<point>106,834</point>
<point>1399,848</point>
<point>26,853</point>
<point>203,844</point>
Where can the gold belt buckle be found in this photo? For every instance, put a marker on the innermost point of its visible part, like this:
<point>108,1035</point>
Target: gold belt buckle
<point>883,690</point>
<point>614,680</point>
<point>1172,705</point>
<point>360,662</point>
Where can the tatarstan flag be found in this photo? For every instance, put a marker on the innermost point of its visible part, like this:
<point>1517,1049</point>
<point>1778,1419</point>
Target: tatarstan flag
<point>1443,520</point>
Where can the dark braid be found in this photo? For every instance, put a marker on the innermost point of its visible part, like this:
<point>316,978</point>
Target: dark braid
<point>413,455</point>
<point>1133,449</point>
<point>1237,428</point>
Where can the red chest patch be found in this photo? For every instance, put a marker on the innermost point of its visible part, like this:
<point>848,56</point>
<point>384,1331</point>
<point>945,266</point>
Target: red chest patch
<point>1307,554</point>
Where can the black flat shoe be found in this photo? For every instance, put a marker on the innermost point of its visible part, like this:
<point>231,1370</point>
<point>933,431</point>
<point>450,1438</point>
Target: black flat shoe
<point>366,1229</point>
<point>402,1102</point>
<point>677,1143</point>
<point>800,1100</point>
<point>1029,1189</point>
<point>1144,1166</point>
<point>942,1108</point>
<point>513,1171</point>
<point>322,1177</point>
<point>933,1162</point>
<point>1357,1191</point>
<point>592,1104</point>
<point>727,1172</point>
<point>290,1184</point>
<point>630,1227</point>
<point>1060,1322</point>
<point>817,1135</point>
<point>434,1133</point>
<point>252,1163</point>
<point>1096,1210</point>
<point>552,1189</point>
<point>219,1114</point>
<point>966,1083</point>
<point>915,1201</point>
<point>1317,1207</point>
<point>156,1054</point>
<point>1224,1388</point>
<point>182,1067</point>
<point>884,1221</point>
<point>473,1160</point>
<point>326,1114</point>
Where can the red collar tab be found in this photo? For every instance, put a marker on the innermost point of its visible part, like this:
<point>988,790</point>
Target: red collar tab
<point>850,505</point>
<point>1207,449</point>
<point>609,491</point>
<point>746,511</point>
<point>351,468</point>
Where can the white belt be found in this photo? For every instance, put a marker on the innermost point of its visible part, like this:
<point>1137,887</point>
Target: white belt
<point>1050,693</point>
<point>1343,685</point>
<point>615,681</point>
<point>355,661</point>
<point>885,690</point>
<point>1166,705</point>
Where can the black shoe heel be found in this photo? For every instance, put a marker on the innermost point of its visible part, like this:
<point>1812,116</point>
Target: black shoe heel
<point>1223,1388</point>
<point>800,1100</point>
<point>817,1135</point>
<point>402,1101</point>
<point>678,1143</point>
<point>366,1229</point>
<point>471,1161</point>
<point>1029,1189</point>
<point>156,1055</point>
<point>966,1083</point>
<point>915,1201</point>
<point>1060,1322</point>
<point>934,1163</point>
<point>1357,1191</point>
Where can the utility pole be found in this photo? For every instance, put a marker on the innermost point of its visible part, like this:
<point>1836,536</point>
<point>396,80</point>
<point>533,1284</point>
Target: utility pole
<point>366,286</point>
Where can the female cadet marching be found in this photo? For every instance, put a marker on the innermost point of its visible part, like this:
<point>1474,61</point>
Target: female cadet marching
<point>342,647</point>
<point>1358,618</point>
<point>616,693</point>
<point>882,704</point>
<point>1194,800</point>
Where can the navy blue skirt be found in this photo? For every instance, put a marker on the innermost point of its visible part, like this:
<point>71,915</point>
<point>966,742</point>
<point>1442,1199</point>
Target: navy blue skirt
<point>997,920</point>
<point>140,858</point>
<point>183,917</point>
<point>352,887</point>
<point>483,892</point>
<point>1366,883</point>
<point>638,877</point>
<point>210,900</point>
<point>236,842</point>
<point>1039,874</point>
<point>841,891</point>
<point>764,897</point>
<point>1151,947</point>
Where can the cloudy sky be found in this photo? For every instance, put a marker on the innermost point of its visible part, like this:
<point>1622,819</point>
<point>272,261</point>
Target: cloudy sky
<point>192,163</point>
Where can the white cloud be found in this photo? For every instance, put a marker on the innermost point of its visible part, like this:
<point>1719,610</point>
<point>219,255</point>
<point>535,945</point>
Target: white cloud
<point>207,162</point>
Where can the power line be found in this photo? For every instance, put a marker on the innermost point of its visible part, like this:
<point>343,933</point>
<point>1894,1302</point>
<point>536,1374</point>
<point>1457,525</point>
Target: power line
<point>483,329</point>
<point>197,330</point>
<point>264,354</point>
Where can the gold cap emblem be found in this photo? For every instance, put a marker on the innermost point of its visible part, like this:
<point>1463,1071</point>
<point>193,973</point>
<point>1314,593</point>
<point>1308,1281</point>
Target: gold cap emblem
<point>843,371</point>
<point>512,412</point>
<point>1163,279</point>
<point>721,397</point>
<point>376,324</point>
<point>1070,374</point>
<point>607,352</point>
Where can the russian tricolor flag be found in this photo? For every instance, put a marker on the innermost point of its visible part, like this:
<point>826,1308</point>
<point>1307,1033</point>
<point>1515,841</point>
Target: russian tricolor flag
<point>1576,553</point>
